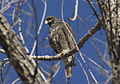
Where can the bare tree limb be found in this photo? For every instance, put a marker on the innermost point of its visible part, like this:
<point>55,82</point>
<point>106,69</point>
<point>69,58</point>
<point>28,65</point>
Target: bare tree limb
<point>24,66</point>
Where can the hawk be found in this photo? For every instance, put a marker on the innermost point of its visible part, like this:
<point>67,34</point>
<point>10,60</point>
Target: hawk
<point>61,38</point>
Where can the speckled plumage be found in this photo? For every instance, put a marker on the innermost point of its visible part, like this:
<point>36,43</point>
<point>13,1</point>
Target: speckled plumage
<point>61,38</point>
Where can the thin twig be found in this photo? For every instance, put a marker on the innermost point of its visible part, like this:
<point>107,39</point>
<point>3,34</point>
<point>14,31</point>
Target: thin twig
<point>3,63</point>
<point>109,78</point>
<point>43,17</point>
<point>16,22</point>
<point>19,27</point>
<point>13,15</point>
<point>36,27</point>
<point>15,81</point>
<point>95,63</point>
<point>54,71</point>
<point>7,6</point>
<point>95,12</point>
<point>83,71</point>
<point>45,72</point>
<point>76,10</point>
<point>89,70</point>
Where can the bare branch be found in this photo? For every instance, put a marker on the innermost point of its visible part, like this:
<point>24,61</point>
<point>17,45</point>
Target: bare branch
<point>95,12</point>
<point>8,6</point>
<point>83,71</point>
<point>43,17</point>
<point>76,10</point>
<point>45,72</point>
<point>36,28</point>
<point>19,26</point>
<point>96,64</point>
<point>109,79</point>
<point>14,82</point>
<point>17,55</point>
<point>54,71</point>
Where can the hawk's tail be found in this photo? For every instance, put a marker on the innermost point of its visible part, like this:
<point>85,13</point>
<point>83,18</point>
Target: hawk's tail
<point>68,72</point>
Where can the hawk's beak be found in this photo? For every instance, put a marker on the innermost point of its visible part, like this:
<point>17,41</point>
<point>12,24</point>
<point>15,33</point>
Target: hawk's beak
<point>46,22</point>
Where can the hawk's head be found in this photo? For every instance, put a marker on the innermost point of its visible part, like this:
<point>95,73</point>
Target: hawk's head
<point>51,19</point>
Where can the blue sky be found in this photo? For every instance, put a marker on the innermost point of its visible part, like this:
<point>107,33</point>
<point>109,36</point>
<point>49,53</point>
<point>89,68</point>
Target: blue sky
<point>89,49</point>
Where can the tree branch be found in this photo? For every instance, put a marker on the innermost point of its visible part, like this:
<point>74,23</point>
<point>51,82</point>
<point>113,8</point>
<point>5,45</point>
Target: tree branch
<point>24,66</point>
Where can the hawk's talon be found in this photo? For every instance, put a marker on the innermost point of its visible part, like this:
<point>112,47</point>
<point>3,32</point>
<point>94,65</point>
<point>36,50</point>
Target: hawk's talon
<point>60,54</point>
<point>65,51</point>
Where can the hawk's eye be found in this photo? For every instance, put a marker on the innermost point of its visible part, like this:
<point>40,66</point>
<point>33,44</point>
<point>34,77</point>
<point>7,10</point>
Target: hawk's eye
<point>48,20</point>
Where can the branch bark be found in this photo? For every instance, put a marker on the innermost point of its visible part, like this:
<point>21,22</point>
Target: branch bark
<point>111,19</point>
<point>25,66</point>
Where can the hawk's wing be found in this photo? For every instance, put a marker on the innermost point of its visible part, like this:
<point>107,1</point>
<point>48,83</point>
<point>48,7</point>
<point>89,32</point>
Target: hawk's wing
<point>69,35</point>
<point>70,40</point>
<point>57,37</point>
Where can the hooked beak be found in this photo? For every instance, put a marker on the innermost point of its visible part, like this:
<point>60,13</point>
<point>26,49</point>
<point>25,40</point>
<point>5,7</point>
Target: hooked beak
<point>46,22</point>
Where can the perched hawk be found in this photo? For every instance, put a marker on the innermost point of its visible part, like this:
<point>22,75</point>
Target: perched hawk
<point>61,38</point>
